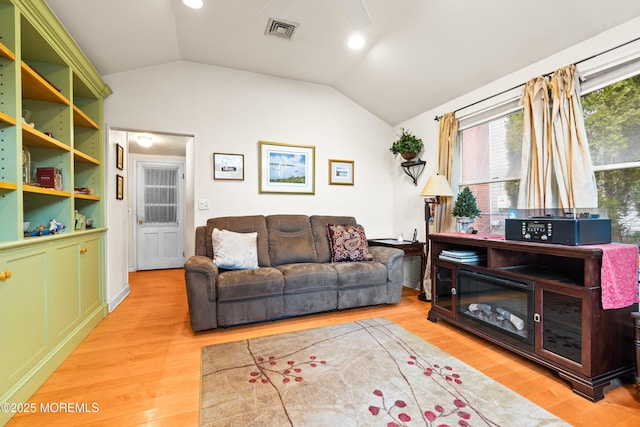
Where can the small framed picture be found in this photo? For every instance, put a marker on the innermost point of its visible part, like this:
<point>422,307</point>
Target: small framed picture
<point>119,157</point>
<point>228,166</point>
<point>340,172</point>
<point>119,187</point>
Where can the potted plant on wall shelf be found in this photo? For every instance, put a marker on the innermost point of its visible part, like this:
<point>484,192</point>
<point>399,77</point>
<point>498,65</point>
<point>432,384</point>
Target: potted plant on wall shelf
<point>465,209</point>
<point>408,145</point>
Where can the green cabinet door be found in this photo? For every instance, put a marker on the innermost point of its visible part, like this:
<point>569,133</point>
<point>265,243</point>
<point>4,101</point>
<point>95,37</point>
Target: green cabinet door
<point>63,299</point>
<point>91,286</point>
<point>23,337</point>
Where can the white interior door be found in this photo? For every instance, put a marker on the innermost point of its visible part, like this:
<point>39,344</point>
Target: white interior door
<point>159,214</point>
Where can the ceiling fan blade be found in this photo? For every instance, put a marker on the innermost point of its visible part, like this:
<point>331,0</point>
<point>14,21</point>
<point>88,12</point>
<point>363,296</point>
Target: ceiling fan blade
<point>276,7</point>
<point>357,13</point>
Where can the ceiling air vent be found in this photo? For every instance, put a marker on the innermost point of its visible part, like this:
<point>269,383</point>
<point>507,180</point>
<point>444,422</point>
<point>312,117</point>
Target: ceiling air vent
<point>281,29</point>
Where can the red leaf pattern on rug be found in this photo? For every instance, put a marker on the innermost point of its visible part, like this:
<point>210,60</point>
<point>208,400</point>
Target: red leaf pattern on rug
<point>400,419</point>
<point>288,373</point>
<point>432,372</point>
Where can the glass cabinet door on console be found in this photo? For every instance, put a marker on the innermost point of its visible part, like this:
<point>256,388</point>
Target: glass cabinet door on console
<point>444,289</point>
<point>560,334</point>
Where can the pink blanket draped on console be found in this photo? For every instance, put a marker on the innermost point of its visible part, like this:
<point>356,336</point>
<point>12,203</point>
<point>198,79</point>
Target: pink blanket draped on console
<point>619,275</point>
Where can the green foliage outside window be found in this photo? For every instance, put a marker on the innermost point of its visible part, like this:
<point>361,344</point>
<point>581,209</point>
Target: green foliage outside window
<point>612,120</point>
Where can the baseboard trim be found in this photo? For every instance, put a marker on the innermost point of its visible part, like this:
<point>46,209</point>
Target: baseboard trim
<point>115,302</point>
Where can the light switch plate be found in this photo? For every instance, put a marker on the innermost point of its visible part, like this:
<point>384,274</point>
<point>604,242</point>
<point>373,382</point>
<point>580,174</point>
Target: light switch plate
<point>203,204</point>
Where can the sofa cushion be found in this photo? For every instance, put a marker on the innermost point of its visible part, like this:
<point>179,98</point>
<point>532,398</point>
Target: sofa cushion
<point>248,284</point>
<point>321,237</point>
<point>359,274</point>
<point>309,288</point>
<point>348,243</point>
<point>290,239</point>
<point>361,284</point>
<point>242,224</point>
<point>309,277</point>
<point>234,251</point>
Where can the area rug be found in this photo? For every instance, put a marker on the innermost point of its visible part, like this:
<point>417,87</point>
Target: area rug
<point>366,373</point>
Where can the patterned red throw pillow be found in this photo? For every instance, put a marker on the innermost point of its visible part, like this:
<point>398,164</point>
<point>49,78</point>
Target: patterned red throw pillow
<point>348,243</point>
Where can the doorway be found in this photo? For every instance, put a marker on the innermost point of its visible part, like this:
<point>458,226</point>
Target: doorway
<point>159,214</point>
<point>169,150</point>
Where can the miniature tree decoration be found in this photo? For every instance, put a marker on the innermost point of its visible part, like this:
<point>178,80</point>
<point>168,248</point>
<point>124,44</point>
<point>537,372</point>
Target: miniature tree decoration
<point>465,205</point>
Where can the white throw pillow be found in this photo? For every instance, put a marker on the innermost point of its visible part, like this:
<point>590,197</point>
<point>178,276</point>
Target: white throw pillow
<point>235,251</point>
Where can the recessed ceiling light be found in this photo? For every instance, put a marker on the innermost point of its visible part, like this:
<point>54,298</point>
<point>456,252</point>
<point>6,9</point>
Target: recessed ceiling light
<point>356,41</point>
<point>193,4</point>
<point>145,141</point>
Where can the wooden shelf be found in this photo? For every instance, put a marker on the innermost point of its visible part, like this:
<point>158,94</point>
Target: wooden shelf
<point>82,120</point>
<point>5,118</point>
<point>6,52</point>
<point>86,196</point>
<point>8,186</point>
<point>36,87</point>
<point>85,158</point>
<point>32,137</point>
<point>42,190</point>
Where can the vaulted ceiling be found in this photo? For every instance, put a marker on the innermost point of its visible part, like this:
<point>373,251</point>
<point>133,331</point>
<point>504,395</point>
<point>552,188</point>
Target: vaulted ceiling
<point>418,53</point>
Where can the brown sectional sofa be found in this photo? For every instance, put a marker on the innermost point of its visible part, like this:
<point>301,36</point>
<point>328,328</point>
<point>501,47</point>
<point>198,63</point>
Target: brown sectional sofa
<point>295,275</point>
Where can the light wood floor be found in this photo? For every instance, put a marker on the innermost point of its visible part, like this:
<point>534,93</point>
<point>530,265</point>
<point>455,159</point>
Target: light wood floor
<point>141,365</point>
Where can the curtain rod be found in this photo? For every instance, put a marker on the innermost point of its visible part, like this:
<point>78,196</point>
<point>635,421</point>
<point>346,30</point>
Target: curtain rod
<point>437,118</point>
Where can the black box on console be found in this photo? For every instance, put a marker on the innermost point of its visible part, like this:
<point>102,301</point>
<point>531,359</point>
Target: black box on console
<point>562,231</point>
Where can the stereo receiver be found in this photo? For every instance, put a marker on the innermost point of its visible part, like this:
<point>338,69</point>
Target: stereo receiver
<point>566,229</point>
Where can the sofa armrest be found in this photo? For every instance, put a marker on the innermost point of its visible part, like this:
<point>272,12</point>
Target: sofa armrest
<point>201,278</point>
<point>385,255</point>
<point>392,258</point>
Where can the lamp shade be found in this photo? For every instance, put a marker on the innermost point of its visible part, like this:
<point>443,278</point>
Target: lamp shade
<point>437,185</point>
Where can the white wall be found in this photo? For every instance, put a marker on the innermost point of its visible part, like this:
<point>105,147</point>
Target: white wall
<point>408,206</point>
<point>229,111</point>
<point>116,277</point>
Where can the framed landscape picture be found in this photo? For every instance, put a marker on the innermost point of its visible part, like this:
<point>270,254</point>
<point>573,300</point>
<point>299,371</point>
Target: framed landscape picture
<point>286,168</point>
<point>340,172</point>
<point>228,166</point>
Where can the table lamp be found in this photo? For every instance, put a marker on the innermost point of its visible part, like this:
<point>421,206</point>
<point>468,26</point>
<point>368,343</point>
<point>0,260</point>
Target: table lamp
<point>437,186</point>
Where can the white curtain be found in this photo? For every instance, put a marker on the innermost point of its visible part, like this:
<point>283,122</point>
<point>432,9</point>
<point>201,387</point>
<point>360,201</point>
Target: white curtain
<point>160,195</point>
<point>442,212</point>
<point>536,190</point>
<point>556,165</point>
<point>572,164</point>
<point>447,136</point>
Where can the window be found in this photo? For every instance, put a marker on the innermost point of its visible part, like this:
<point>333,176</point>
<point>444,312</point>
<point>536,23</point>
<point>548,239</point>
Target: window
<point>612,121</point>
<point>489,154</point>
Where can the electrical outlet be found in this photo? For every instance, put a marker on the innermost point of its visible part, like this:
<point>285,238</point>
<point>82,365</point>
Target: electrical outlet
<point>203,204</point>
